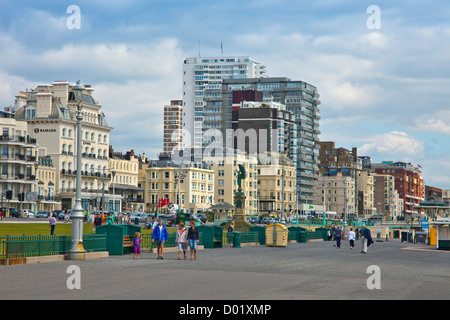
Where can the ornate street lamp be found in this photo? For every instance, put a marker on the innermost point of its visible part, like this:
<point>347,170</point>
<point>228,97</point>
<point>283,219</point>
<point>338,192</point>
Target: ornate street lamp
<point>77,251</point>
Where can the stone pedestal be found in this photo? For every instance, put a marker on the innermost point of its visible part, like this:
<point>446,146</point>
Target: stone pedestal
<point>240,221</point>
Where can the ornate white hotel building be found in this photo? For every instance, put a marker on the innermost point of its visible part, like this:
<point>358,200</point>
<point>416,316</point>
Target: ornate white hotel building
<point>50,111</point>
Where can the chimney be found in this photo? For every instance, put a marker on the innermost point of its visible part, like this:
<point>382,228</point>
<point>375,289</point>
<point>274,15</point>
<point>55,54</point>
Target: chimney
<point>21,100</point>
<point>44,103</point>
<point>61,91</point>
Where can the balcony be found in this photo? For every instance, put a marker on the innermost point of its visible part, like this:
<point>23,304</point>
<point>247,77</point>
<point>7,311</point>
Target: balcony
<point>18,139</point>
<point>68,172</point>
<point>133,200</point>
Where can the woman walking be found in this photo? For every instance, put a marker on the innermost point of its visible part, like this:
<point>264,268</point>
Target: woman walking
<point>193,238</point>
<point>181,239</point>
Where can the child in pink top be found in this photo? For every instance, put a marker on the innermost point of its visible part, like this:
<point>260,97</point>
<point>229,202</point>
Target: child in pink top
<point>137,245</point>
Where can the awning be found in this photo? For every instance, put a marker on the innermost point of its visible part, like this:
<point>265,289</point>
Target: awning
<point>222,206</point>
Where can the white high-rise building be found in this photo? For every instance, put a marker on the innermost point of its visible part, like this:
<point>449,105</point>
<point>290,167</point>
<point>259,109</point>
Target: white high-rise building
<point>202,72</point>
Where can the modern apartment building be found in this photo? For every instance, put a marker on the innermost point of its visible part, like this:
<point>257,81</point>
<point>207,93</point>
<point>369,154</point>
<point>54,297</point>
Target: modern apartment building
<point>264,127</point>
<point>18,163</point>
<point>173,116</point>
<point>50,111</point>
<point>300,98</point>
<point>200,73</point>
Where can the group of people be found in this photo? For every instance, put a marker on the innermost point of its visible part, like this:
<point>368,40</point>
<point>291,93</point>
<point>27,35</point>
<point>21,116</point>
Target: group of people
<point>364,233</point>
<point>184,238</point>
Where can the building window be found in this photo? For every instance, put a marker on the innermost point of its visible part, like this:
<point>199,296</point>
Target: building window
<point>30,113</point>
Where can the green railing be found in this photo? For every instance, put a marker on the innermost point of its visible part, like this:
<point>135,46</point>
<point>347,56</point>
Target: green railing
<point>314,235</point>
<point>319,222</point>
<point>245,237</point>
<point>29,246</point>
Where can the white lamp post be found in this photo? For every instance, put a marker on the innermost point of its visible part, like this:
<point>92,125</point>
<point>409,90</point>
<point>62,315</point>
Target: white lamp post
<point>77,251</point>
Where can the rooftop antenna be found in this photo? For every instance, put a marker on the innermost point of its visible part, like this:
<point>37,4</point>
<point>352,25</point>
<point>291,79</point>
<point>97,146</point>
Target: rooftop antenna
<point>221,48</point>
<point>199,48</point>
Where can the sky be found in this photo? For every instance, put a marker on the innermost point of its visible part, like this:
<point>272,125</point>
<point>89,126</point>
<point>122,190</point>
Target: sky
<point>382,68</point>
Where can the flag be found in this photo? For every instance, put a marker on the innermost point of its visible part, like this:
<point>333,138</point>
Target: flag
<point>163,202</point>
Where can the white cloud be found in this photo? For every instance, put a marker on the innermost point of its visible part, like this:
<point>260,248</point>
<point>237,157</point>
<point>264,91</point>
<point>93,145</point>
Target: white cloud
<point>132,81</point>
<point>437,123</point>
<point>393,144</point>
<point>10,87</point>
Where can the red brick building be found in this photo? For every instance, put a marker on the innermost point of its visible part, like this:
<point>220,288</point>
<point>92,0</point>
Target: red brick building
<point>408,182</point>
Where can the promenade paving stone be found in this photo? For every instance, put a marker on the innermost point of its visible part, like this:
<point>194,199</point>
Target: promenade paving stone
<point>314,270</point>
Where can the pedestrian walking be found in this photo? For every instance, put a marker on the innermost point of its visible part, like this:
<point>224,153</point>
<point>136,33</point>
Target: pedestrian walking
<point>181,239</point>
<point>366,239</point>
<point>193,238</point>
<point>137,245</point>
<point>337,236</point>
<point>351,238</point>
<point>160,236</point>
<point>52,222</point>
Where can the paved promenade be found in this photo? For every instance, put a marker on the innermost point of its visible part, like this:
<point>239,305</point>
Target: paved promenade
<point>314,270</point>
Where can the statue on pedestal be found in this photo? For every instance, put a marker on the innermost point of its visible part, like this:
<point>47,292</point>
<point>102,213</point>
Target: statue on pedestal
<point>241,175</point>
<point>239,201</point>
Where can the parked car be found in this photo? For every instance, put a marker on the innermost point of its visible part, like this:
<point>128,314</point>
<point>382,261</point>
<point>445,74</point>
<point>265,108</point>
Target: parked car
<point>138,215</point>
<point>252,220</point>
<point>28,213</point>
<point>13,212</point>
<point>42,214</point>
<point>266,220</point>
